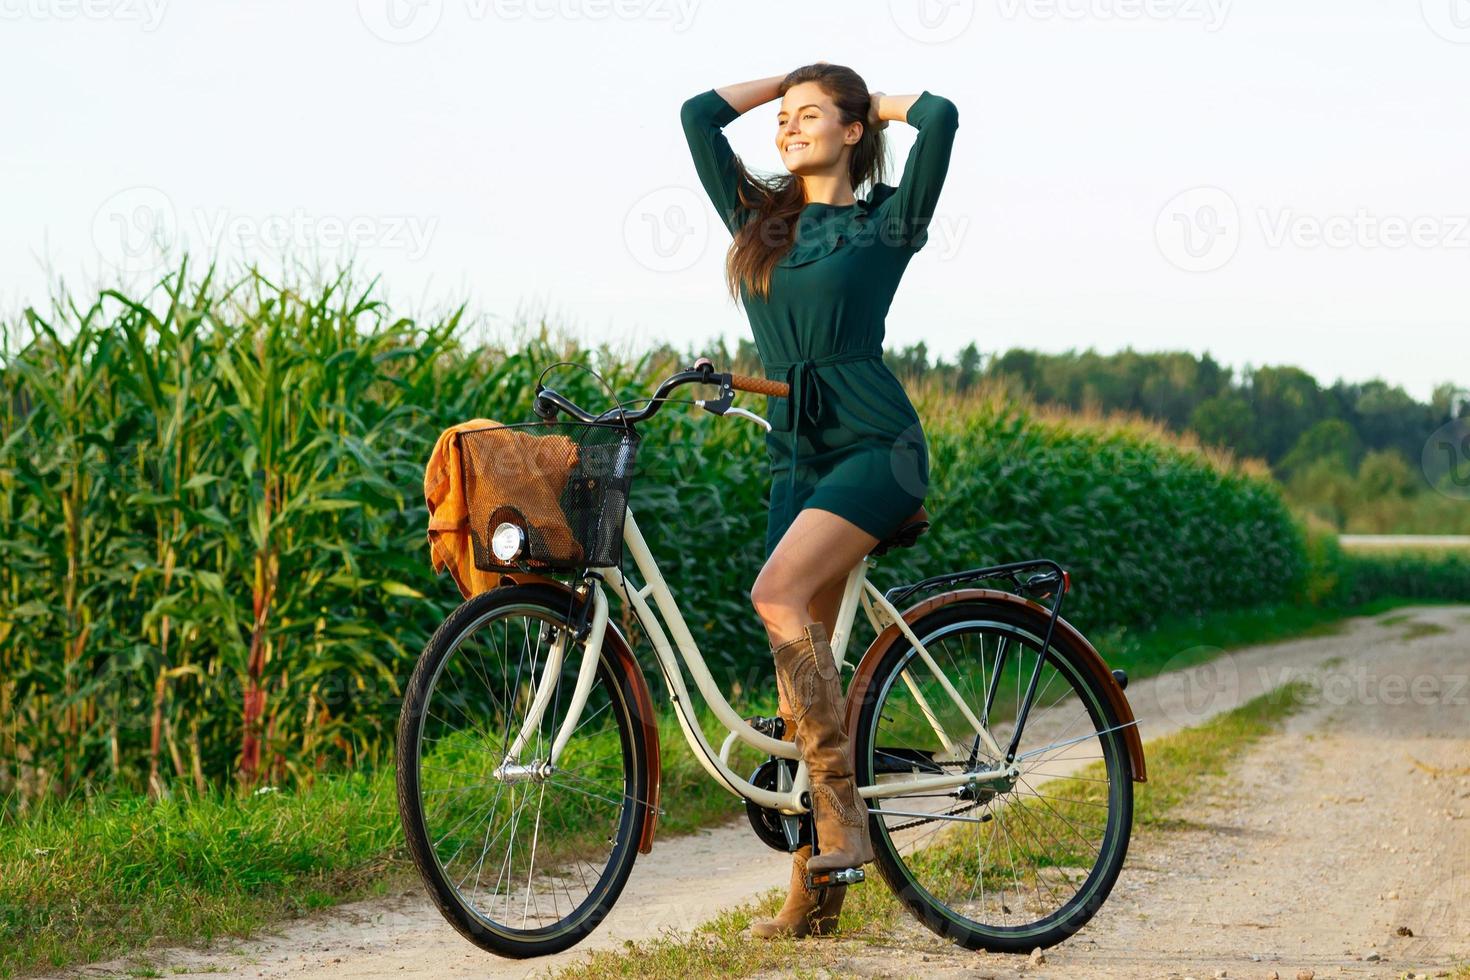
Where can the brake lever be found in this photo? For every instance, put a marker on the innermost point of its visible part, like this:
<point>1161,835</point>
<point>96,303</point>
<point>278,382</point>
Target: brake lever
<point>723,405</point>
<point>737,410</point>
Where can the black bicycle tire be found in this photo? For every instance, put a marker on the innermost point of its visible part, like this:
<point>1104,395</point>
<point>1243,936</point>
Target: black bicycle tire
<point>937,917</point>
<point>564,934</point>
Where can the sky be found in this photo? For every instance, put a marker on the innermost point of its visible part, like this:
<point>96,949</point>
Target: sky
<point>1270,183</point>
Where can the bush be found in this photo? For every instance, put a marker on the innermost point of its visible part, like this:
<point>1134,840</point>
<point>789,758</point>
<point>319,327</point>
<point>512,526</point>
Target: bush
<point>1365,577</point>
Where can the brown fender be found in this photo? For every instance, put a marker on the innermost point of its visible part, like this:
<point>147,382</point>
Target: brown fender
<point>620,656</point>
<point>1092,661</point>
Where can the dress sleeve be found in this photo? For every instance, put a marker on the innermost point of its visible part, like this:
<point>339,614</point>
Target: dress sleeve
<point>704,117</point>
<point>912,205</point>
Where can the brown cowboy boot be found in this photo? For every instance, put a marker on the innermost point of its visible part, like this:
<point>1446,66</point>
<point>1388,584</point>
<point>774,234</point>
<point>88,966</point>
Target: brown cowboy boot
<point>839,815</point>
<point>784,711</point>
<point>807,911</point>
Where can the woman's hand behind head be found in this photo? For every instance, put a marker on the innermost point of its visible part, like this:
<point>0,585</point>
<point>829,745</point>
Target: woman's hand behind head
<point>874,119</point>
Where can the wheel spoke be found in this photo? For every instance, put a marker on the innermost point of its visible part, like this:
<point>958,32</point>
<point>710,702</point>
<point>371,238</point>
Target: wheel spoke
<point>1041,834</point>
<point>525,854</point>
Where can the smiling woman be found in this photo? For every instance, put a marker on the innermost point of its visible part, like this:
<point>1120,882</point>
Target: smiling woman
<point>817,268</point>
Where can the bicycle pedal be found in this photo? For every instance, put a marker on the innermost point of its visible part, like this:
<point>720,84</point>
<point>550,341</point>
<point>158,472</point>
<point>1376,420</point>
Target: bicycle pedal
<point>837,876</point>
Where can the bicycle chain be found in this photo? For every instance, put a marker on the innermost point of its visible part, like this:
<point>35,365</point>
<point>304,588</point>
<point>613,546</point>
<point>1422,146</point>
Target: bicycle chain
<point>946,813</point>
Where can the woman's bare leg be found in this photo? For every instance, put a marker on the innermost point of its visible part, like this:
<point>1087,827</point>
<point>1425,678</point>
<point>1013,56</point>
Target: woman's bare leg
<point>824,605</point>
<point>817,548</point>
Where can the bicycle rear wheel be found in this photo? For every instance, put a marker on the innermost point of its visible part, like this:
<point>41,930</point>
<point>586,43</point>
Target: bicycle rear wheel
<point>1005,866</point>
<point>521,864</point>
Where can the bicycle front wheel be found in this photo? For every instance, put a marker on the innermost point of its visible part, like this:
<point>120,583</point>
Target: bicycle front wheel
<point>1004,865</point>
<point>520,861</point>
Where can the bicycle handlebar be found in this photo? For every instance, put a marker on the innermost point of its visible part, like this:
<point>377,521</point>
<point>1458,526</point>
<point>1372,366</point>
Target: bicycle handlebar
<point>759,386</point>
<point>548,401</point>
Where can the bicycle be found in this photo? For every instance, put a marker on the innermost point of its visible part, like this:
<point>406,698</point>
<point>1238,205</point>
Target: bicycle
<point>999,818</point>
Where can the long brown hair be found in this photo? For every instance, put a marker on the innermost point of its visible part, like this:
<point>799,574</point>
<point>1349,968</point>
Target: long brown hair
<point>777,200</point>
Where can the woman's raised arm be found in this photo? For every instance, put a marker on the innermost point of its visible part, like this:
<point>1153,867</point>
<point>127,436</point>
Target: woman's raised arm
<point>704,117</point>
<point>912,205</point>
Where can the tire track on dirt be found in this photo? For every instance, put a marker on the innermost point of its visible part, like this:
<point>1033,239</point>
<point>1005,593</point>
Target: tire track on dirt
<point>1337,847</point>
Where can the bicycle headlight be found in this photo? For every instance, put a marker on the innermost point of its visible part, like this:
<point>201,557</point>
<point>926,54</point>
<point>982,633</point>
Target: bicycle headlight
<point>507,541</point>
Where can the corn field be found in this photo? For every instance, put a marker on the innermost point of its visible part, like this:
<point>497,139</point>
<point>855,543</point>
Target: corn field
<point>213,567</point>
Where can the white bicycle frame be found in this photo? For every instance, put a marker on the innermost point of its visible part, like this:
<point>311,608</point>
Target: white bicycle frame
<point>880,612</point>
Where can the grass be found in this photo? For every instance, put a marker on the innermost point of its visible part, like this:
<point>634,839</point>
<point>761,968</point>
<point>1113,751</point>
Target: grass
<point>103,878</point>
<point>1417,630</point>
<point>83,883</point>
<point>198,867</point>
<point>1178,765</point>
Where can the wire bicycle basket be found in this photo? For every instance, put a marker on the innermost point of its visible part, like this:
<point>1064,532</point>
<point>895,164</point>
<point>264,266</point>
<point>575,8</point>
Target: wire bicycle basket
<point>547,496</point>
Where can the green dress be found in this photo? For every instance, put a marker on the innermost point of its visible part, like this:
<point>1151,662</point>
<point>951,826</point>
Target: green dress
<point>847,439</point>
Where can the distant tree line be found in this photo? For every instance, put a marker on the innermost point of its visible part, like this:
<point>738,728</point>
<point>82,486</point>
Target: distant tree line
<point>1348,454</point>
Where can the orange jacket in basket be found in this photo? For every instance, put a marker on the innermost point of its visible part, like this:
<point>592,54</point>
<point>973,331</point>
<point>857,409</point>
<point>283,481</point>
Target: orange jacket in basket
<point>505,466</point>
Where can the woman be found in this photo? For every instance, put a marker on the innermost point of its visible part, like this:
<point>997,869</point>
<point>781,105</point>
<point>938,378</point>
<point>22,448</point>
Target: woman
<point>816,269</point>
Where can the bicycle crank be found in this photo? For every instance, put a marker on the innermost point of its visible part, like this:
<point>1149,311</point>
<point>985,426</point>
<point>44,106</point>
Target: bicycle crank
<point>779,831</point>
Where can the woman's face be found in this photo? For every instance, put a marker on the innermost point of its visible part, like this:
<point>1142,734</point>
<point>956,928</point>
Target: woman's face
<point>809,132</point>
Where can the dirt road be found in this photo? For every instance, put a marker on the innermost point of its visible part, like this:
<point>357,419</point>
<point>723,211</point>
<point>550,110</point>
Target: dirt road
<point>1325,841</point>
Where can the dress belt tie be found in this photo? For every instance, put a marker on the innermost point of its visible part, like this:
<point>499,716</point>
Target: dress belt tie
<point>804,397</point>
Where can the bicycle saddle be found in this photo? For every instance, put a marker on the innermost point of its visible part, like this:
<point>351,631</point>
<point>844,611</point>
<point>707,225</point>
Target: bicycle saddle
<point>908,532</point>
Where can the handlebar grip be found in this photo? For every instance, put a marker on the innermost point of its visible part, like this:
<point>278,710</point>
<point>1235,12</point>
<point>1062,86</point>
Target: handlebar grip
<point>760,386</point>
